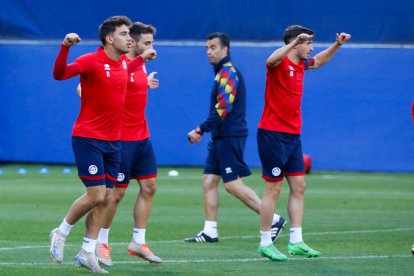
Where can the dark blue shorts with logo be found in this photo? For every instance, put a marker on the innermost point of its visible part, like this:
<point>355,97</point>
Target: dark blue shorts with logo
<point>97,160</point>
<point>137,162</point>
<point>280,153</point>
<point>225,158</point>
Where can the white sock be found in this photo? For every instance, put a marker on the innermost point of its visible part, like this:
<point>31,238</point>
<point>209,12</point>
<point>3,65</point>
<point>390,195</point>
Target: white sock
<point>210,228</point>
<point>139,235</point>
<point>265,238</point>
<point>103,236</point>
<point>276,218</point>
<point>89,244</point>
<point>295,235</point>
<point>65,227</point>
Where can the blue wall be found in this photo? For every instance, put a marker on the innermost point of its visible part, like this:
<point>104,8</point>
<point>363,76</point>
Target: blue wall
<point>356,109</point>
<point>367,21</point>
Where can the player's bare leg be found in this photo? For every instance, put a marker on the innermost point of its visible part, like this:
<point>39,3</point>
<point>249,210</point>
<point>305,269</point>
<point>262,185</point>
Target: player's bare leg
<point>211,197</point>
<point>211,205</point>
<point>103,250</point>
<point>244,193</point>
<point>143,204</point>
<point>296,199</point>
<point>296,205</point>
<point>93,197</point>
<point>268,204</point>
<point>269,200</point>
<point>142,210</point>
<point>249,197</point>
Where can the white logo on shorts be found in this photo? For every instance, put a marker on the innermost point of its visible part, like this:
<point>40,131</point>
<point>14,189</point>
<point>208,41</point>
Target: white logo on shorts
<point>228,170</point>
<point>120,177</point>
<point>93,169</point>
<point>276,171</point>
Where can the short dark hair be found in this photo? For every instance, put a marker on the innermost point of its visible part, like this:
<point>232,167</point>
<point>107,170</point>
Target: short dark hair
<point>110,25</point>
<point>293,31</point>
<point>224,39</point>
<point>139,28</point>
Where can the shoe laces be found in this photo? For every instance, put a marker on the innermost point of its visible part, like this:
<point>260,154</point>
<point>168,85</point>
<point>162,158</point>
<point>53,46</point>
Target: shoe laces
<point>59,243</point>
<point>105,251</point>
<point>146,250</point>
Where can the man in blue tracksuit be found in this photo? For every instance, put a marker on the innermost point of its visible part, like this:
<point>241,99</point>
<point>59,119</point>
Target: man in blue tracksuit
<point>228,127</point>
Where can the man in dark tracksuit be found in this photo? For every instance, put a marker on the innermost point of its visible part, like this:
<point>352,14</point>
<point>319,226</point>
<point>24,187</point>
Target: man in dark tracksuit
<point>228,127</point>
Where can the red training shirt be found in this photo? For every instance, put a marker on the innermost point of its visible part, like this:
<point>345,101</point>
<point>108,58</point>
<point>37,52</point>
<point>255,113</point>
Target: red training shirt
<point>283,96</point>
<point>134,125</point>
<point>103,83</point>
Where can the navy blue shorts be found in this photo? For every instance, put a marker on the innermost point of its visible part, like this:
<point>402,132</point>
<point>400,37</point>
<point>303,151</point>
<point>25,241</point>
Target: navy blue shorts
<point>280,154</point>
<point>225,158</point>
<point>137,162</point>
<point>97,161</point>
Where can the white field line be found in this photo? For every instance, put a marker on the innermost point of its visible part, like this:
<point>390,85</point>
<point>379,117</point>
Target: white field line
<point>221,260</point>
<point>232,238</point>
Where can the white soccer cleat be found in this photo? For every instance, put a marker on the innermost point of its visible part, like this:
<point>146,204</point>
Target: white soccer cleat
<point>143,251</point>
<point>57,244</point>
<point>103,253</point>
<point>89,261</point>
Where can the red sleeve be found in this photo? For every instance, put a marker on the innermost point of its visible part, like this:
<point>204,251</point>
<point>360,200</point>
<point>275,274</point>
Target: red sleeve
<point>134,64</point>
<point>413,111</point>
<point>309,63</point>
<point>62,70</point>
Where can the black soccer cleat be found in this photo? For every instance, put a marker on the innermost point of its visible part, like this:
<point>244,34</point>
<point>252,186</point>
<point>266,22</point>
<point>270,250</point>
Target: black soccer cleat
<point>277,229</point>
<point>201,237</point>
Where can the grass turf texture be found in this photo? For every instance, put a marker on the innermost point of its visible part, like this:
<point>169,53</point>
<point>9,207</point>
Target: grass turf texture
<point>363,224</point>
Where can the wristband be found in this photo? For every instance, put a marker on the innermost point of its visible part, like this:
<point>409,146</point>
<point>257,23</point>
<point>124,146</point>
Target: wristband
<point>198,131</point>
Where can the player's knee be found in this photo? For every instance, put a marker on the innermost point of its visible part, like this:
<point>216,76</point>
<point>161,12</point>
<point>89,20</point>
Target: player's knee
<point>98,199</point>
<point>273,189</point>
<point>149,189</point>
<point>118,194</point>
<point>96,195</point>
<point>299,189</point>
<point>230,188</point>
<point>209,183</point>
<point>276,191</point>
<point>235,187</point>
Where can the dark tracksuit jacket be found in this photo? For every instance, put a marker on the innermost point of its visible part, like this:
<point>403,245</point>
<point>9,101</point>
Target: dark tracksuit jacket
<point>227,116</point>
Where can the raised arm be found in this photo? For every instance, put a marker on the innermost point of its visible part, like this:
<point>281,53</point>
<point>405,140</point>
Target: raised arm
<point>277,56</point>
<point>149,54</point>
<point>62,70</point>
<point>324,56</point>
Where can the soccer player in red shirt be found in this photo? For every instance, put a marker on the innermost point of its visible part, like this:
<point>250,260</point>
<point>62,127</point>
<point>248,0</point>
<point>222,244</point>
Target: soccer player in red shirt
<point>278,136</point>
<point>137,157</point>
<point>96,133</point>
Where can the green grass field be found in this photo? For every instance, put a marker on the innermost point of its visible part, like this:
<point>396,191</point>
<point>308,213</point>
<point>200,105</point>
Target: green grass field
<point>362,223</point>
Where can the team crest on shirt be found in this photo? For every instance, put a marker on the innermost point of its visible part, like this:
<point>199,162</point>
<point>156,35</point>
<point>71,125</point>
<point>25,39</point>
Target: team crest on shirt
<point>93,169</point>
<point>276,171</point>
<point>291,70</point>
<point>124,64</point>
<point>107,69</point>
<point>120,177</point>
